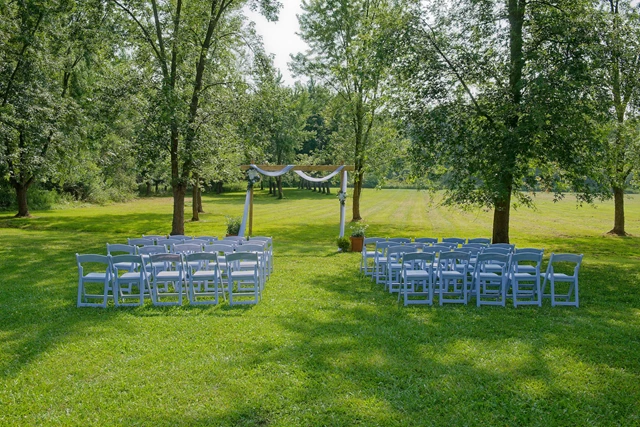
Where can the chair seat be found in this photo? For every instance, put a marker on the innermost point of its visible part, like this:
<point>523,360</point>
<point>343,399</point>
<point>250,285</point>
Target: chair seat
<point>95,277</point>
<point>524,276</point>
<point>417,274</point>
<point>243,274</point>
<point>168,275</point>
<point>451,274</point>
<point>561,277</point>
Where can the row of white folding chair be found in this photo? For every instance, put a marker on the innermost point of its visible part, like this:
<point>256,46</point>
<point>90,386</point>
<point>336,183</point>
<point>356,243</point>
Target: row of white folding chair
<point>165,282</point>
<point>165,286</point>
<point>491,278</point>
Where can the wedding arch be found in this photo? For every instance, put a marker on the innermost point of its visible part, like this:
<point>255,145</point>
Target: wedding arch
<point>253,177</point>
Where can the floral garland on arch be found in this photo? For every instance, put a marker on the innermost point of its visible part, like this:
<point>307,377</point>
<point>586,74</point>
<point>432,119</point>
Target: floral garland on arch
<point>342,196</point>
<point>253,177</point>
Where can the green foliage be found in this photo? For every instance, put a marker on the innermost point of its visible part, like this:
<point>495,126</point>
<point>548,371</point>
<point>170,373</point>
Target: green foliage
<point>358,228</point>
<point>344,244</point>
<point>233,225</point>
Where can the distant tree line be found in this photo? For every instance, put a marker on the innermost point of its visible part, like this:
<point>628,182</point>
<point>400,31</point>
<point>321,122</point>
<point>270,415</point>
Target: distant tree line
<point>490,101</point>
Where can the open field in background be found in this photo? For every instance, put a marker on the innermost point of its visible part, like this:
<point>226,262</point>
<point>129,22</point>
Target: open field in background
<point>324,346</point>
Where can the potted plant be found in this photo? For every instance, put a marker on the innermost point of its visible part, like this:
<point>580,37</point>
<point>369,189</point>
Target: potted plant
<point>357,236</point>
<point>233,225</point>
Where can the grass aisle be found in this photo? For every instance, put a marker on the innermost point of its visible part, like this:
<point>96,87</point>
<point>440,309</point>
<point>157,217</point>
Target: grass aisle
<point>324,346</point>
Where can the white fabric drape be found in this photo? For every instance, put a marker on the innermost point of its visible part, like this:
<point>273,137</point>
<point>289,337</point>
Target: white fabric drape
<point>276,173</point>
<point>245,215</point>
<point>343,207</point>
<point>323,179</point>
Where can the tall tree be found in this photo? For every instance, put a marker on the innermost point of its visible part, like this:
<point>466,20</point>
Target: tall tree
<point>178,43</point>
<point>43,45</point>
<point>352,49</point>
<point>617,72</point>
<point>497,100</point>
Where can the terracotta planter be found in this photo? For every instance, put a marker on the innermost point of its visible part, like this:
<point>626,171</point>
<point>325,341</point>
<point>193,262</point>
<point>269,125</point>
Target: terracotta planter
<point>356,243</point>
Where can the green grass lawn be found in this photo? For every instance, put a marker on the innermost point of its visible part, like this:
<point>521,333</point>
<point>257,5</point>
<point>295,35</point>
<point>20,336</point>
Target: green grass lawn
<point>325,346</point>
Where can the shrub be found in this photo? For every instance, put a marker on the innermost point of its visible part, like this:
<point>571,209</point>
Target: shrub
<point>233,225</point>
<point>343,244</point>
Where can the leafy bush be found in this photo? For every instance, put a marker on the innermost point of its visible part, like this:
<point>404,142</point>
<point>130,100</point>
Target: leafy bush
<point>233,225</point>
<point>344,244</point>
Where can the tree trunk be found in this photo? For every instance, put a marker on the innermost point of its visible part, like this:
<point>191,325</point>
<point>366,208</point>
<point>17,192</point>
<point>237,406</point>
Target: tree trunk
<point>270,186</point>
<point>618,221</point>
<point>194,202</point>
<point>177,225</point>
<point>156,187</point>
<point>148,188</point>
<point>21,196</point>
<point>501,220</point>
<point>200,209</point>
<point>357,191</point>
<point>279,182</point>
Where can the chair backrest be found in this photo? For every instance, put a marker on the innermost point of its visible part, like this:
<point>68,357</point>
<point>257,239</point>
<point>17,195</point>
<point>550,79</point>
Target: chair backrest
<point>169,241</point>
<point>456,240</point>
<point>469,249</point>
<point>207,257</point>
<point>426,257</point>
<point>568,258</point>
<point>91,258</point>
<point>526,257</point>
<point>395,252</point>
<point>496,250</point>
<point>219,247</point>
<point>493,258</point>
<point>430,240</point>
<point>240,240</point>
<point>474,245</point>
<point>261,238</point>
<point>450,245</point>
<point>400,239</point>
<point>418,245</point>
<point>175,259</point>
<point>141,242</point>
<point>248,247</point>
<point>153,236</point>
<point>133,259</point>
<point>440,248</point>
<point>381,247</point>
<point>186,248</point>
<point>484,240</point>
<point>454,256</point>
<point>503,245</point>
<point>179,236</point>
<point>200,242</point>
<point>126,249</point>
<point>529,251</point>
<point>152,249</point>
<point>208,239</point>
<point>242,256</point>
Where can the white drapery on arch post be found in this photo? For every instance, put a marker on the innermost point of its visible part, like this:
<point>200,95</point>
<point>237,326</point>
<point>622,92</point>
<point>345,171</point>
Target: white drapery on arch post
<point>278,170</point>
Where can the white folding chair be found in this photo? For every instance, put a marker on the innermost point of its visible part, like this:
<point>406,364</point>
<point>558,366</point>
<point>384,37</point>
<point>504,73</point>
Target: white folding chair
<point>124,280</point>
<point>525,278</point>
<point>490,279</point>
<point>380,261</point>
<point>394,266</point>
<point>368,244</point>
<point>119,249</point>
<point>208,239</point>
<point>452,277</point>
<point>167,284</point>
<point>571,296</point>
<point>204,278</point>
<point>417,278</point>
<point>93,269</point>
<point>268,249</point>
<point>243,282</point>
<point>258,248</point>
